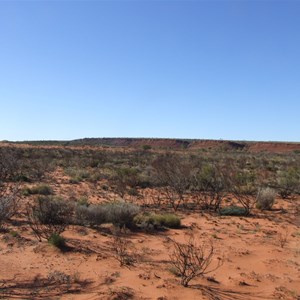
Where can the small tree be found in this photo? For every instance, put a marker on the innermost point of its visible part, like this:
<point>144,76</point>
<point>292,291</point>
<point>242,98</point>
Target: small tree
<point>49,216</point>
<point>211,181</point>
<point>288,182</point>
<point>9,171</point>
<point>174,174</point>
<point>192,260</point>
<point>125,178</point>
<point>244,189</point>
<point>8,203</point>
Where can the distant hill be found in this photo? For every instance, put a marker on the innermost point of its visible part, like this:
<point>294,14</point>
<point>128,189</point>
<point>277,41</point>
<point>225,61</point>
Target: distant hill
<point>174,144</point>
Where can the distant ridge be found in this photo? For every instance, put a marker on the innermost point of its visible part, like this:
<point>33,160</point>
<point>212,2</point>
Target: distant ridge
<point>173,144</point>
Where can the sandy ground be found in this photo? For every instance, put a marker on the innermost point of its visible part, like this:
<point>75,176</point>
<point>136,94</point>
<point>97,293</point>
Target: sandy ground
<point>255,264</point>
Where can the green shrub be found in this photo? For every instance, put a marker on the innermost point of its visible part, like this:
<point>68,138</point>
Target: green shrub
<point>22,178</point>
<point>57,241</point>
<point>158,220</point>
<point>124,178</point>
<point>26,191</point>
<point>289,182</point>
<point>84,201</point>
<point>90,215</point>
<point>133,192</point>
<point>52,210</point>
<point>233,211</point>
<point>41,189</point>
<point>121,213</point>
<point>48,216</point>
<point>74,180</point>
<point>168,220</point>
<point>95,177</point>
<point>105,187</point>
<point>14,233</point>
<point>147,147</point>
<point>174,271</point>
<point>8,206</point>
<point>77,175</point>
<point>265,198</point>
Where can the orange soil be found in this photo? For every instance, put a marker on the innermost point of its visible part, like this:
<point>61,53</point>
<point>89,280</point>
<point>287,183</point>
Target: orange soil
<point>255,265</point>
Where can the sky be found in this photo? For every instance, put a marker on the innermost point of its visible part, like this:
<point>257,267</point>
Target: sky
<point>166,69</point>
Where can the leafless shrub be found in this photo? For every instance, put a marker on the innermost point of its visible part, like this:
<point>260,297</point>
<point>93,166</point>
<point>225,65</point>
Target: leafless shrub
<point>244,189</point>
<point>121,293</point>
<point>59,277</point>
<point>9,200</point>
<point>283,238</point>
<point>8,203</point>
<point>121,248</point>
<point>9,165</point>
<point>174,174</point>
<point>191,260</point>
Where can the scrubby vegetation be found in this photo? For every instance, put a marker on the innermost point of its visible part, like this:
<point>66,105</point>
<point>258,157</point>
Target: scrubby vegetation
<point>57,240</point>
<point>9,198</point>
<point>265,198</point>
<point>121,194</point>
<point>154,221</point>
<point>41,189</point>
<point>233,211</point>
<point>191,259</point>
<point>118,213</point>
<point>49,216</point>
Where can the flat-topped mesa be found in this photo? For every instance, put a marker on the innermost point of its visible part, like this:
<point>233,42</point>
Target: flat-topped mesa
<point>172,144</point>
<point>177,144</point>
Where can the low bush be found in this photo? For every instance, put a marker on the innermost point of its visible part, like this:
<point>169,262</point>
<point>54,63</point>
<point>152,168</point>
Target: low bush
<point>57,241</point>
<point>233,211</point>
<point>83,201</point>
<point>41,189</point>
<point>8,207</point>
<point>90,215</point>
<point>288,182</point>
<point>77,175</point>
<point>14,234</point>
<point>169,220</point>
<point>158,221</point>
<point>191,260</point>
<point>265,198</point>
<point>119,213</point>
<point>146,147</point>
<point>48,216</point>
<point>22,178</point>
<point>133,192</point>
<point>121,247</point>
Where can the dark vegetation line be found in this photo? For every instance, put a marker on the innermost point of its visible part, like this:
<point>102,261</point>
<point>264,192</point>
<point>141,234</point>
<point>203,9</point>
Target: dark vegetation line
<point>168,143</point>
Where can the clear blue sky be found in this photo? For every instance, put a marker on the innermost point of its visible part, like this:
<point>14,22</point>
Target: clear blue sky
<point>184,69</point>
